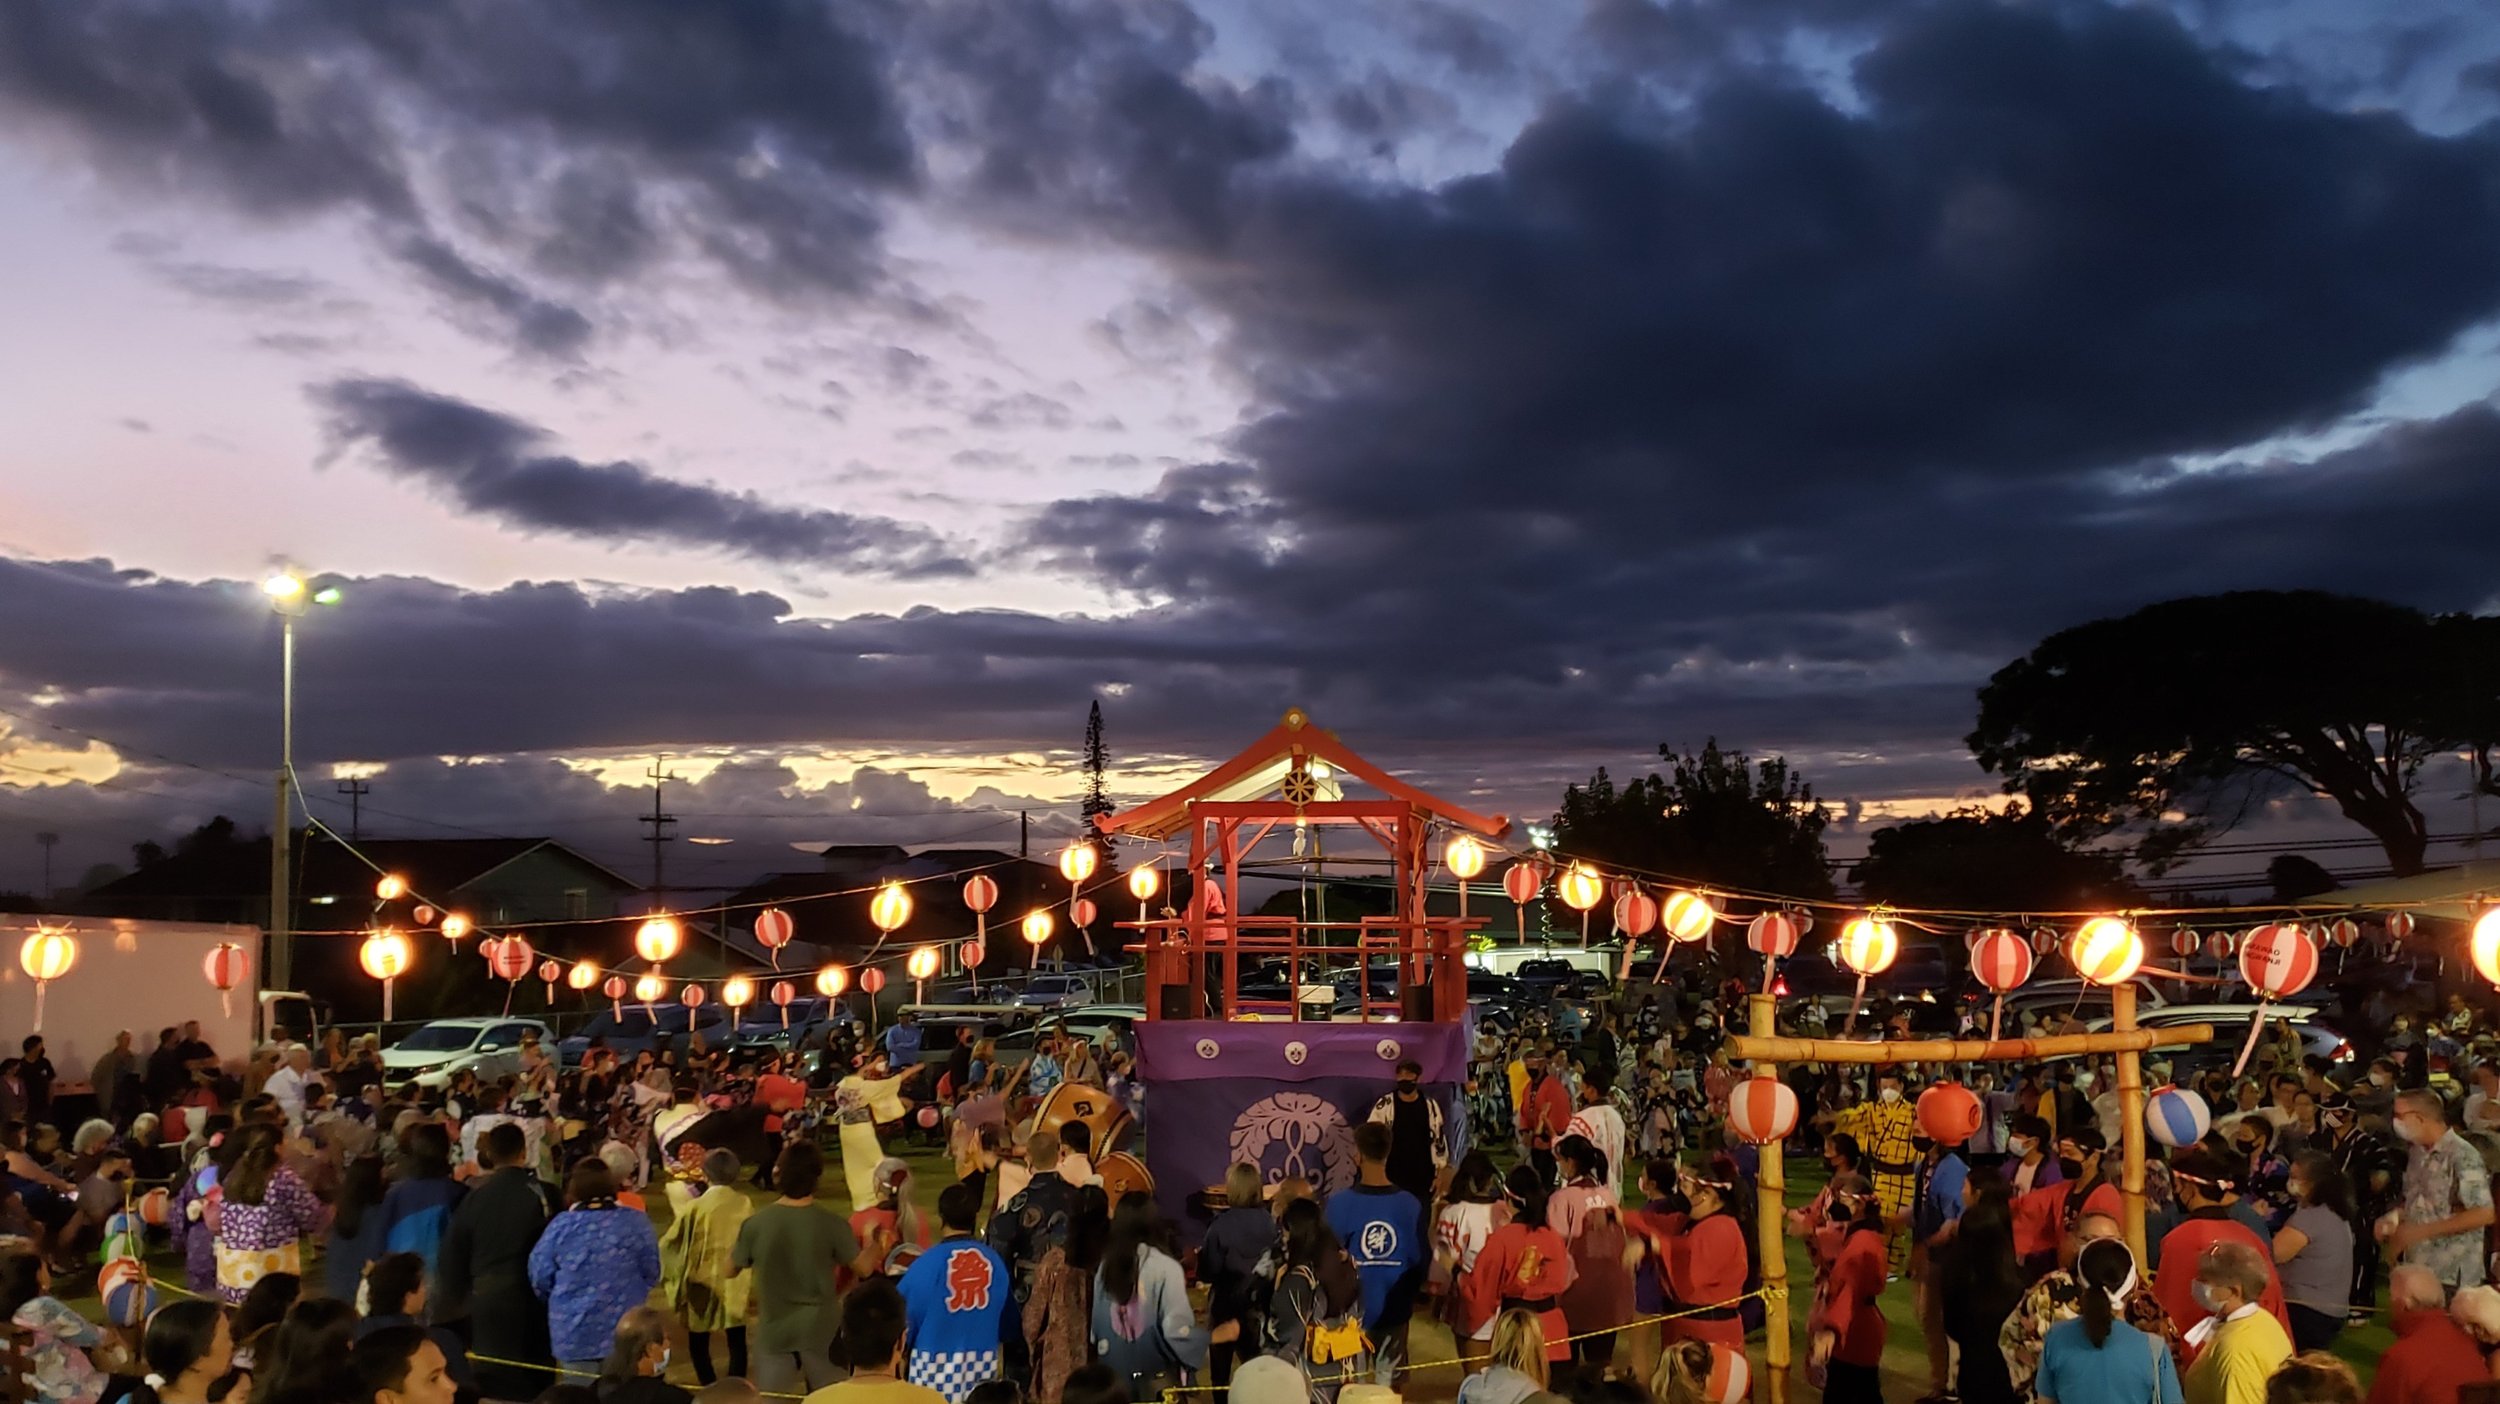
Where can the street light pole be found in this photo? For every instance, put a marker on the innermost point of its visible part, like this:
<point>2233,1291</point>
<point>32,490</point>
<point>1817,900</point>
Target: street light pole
<point>282,832</point>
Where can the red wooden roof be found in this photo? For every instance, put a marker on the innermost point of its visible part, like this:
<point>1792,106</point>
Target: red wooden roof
<point>1263,764</point>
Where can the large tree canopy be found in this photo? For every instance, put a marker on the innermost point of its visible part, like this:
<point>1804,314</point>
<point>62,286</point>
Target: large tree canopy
<point>2177,720</point>
<point>1715,817</point>
<point>1978,860</point>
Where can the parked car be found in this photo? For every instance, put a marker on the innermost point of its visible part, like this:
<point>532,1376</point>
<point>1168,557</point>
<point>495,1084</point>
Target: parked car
<point>2043,998</point>
<point>633,1029</point>
<point>811,1018</point>
<point>1056,992</point>
<point>2318,1037</point>
<point>431,1055</point>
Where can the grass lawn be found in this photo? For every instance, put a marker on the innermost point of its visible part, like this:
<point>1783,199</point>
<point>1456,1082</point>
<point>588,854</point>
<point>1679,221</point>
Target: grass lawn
<point>1905,1356</point>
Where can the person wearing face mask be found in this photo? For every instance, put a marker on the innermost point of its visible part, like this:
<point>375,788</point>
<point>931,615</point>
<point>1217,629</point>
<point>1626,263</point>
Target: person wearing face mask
<point>2027,1153</point>
<point>2043,1217</point>
<point>637,1365</point>
<point>1848,1350</point>
<point>2096,1357</point>
<point>1702,1256</point>
<point>2059,1297</point>
<point>1418,1149</point>
<point>2201,1178</point>
<point>2376,1096</point>
<point>1884,1129</point>
<point>2264,1174</point>
<point>2447,1196</point>
<point>2313,1252</point>
<point>2374,1165</point>
<point>1544,1110</point>
<point>2238,1343</point>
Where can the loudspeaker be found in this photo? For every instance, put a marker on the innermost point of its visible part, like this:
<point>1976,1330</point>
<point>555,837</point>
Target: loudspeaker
<point>1415,1001</point>
<point>1174,1001</point>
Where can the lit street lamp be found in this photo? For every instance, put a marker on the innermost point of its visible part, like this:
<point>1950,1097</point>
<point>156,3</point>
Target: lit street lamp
<point>289,593</point>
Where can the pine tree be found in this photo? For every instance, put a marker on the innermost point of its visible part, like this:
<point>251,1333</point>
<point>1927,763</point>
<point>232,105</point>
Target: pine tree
<point>1097,759</point>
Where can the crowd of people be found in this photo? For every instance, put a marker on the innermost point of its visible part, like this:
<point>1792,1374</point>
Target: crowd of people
<point>1573,1214</point>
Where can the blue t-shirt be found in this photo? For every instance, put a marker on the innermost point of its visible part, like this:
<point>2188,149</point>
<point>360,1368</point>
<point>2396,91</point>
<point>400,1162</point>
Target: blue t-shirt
<point>1382,1230</point>
<point>954,1297</point>
<point>2128,1368</point>
<point>902,1046</point>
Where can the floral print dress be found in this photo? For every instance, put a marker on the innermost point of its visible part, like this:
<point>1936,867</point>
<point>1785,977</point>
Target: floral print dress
<point>255,1240</point>
<point>57,1341</point>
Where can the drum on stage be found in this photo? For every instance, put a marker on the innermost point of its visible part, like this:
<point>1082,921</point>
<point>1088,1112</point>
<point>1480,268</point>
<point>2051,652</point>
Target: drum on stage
<point>1123,1174</point>
<point>1100,1112</point>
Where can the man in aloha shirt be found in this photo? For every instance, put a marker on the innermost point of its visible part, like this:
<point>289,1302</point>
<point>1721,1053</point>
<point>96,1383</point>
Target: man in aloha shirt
<point>2059,1297</point>
<point>2446,1189</point>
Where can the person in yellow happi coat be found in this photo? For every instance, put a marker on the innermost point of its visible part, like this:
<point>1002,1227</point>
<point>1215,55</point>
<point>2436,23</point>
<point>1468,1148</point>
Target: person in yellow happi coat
<point>864,1101</point>
<point>695,1273</point>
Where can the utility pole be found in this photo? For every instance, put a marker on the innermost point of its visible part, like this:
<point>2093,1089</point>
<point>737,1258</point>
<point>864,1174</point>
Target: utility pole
<point>661,822</point>
<point>1024,833</point>
<point>355,790</point>
<point>47,842</point>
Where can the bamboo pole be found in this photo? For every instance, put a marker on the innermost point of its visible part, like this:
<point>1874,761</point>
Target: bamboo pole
<point>1760,1048</point>
<point>1770,1213</point>
<point>2130,1117</point>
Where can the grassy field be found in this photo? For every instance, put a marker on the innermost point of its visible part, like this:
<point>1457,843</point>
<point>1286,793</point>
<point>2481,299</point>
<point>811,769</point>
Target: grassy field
<point>1905,1357</point>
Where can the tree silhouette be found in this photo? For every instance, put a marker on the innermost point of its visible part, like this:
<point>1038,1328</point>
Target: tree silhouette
<point>1978,860</point>
<point>1716,817</point>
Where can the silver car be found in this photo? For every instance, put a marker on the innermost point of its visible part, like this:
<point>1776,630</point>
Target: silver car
<point>488,1047</point>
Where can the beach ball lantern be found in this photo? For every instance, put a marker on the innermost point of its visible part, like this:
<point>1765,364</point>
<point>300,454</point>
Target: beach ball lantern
<point>46,956</point>
<point>832,981</point>
<point>385,956</point>
<point>2001,960</point>
<point>1688,916</point>
<point>2176,1117</point>
<point>1761,1110</point>
<point>972,952</point>
<point>782,993</point>
<point>156,1207</point>
<point>2106,951</point>
<point>1948,1113</point>
<point>422,914</point>
<point>658,939</point>
<point>2278,960</point>
<point>737,992</point>
<point>2483,946</point>
<point>1869,945</point>
<point>128,1295</point>
<point>1083,912</point>
<point>889,909</point>
<point>773,930</point>
<point>226,965</point>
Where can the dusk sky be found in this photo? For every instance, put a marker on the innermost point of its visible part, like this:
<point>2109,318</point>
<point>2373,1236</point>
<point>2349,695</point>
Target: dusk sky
<point>841,397</point>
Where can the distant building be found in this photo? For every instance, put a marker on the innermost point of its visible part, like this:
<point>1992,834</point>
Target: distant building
<point>829,907</point>
<point>493,881</point>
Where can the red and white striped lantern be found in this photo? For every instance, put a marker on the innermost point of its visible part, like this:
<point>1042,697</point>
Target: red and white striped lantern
<point>1731,1377</point>
<point>872,979</point>
<point>2220,945</point>
<point>1636,915</point>
<point>614,988</point>
<point>2185,943</point>
<point>2399,925</point>
<point>2002,960</point>
<point>773,930</point>
<point>226,966</point>
<point>980,894</point>
<point>1761,1110</point>
<point>2278,961</point>
<point>781,994</point>
<point>2344,932</point>
<point>2043,941</point>
<point>691,996</point>
<point>1774,935</point>
<point>550,970</point>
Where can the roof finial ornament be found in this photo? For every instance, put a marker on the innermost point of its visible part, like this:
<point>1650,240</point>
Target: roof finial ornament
<point>1295,719</point>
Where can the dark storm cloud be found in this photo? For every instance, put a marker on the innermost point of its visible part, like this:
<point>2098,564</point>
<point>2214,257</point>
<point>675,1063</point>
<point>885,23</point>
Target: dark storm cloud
<point>497,465</point>
<point>581,140</point>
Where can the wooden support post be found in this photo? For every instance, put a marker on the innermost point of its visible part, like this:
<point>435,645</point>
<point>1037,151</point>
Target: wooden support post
<point>1770,1213</point>
<point>2130,1117</point>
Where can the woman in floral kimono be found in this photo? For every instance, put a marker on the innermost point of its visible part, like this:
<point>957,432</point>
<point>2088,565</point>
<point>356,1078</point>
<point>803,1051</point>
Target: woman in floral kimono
<point>1059,1316</point>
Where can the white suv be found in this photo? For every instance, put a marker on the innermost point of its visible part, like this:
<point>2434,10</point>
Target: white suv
<point>1056,992</point>
<point>488,1047</point>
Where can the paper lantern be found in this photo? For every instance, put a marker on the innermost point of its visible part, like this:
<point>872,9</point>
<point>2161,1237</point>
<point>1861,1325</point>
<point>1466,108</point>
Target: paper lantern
<point>2176,1117</point>
<point>2106,951</point>
<point>456,926</point>
<point>2002,960</point>
<point>1144,883</point>
<point>1636,915</point>
<point>1869,946</point>
<point>773,930</point>
<point>122,1223</point>
<point>391,888</point>
<point>1523,880</point>
<point>2344,932</point>
<point>657,940</point>
<point>1037,925</point>
<point>2220,945</point>
<point>1687,916</point>
<point>1773,935</point>
<point>782,993</point>
<point>2278,960</point>
<point>1082,911</point>
<point>550,970</point>
<point>921,963</point>
<point>225,966</point>
<point>872,980</point>
<point>832,981</point>
<point>2043,941</point>
<point>1948,1113</point>
<point>2185,944</point>
<point>927,1116</point>
<point>691,996</point>
<point>651,988</point>
<point>583,975</point>
<point>737,991</point>
<point>385,956</point>
<point>1761,1110</point>
<point>2399,925</point>
<point>615,989</point>
<point>1077,862</point>
<point>510,958</point>
<point>46,956</point>
<point>423,915</point>
<point>2483,946</point>
<point>1580,887</point>
<point>1464,856</point>
<point>128,1296</point>
<point>890,908</point>
<point>156,1208</point>
<point>980,892</point>
<point>1731,1378</point>
<point>972,953</point>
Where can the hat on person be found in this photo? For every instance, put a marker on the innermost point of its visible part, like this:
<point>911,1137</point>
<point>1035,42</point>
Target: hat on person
<point>1367,1394</point>
<point>1269,1380</point>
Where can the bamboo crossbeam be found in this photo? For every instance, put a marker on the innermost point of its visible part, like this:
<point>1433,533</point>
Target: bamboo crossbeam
<point>1752,1047</point>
